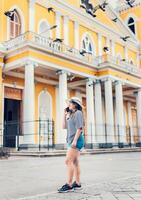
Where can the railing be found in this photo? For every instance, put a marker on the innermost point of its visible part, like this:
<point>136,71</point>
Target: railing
<point>13,135</point>
<point>30,134</point>
<point>48,43</point>
<point>108,136</point>
<point>63,50</point>
<point>108,60</point>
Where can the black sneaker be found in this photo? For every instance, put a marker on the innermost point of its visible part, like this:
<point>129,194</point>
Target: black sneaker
<point>76,186</point>
<point>65,188</point>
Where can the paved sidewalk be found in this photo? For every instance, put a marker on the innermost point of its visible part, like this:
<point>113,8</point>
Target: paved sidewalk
<point>56,153</point>
<point>122,189</point>
<point>104,177</point>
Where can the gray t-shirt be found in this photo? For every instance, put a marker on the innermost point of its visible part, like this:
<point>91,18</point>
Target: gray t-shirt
<point>74,122</point>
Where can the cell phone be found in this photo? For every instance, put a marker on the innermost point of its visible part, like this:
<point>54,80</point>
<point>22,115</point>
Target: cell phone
<point>67,109</point>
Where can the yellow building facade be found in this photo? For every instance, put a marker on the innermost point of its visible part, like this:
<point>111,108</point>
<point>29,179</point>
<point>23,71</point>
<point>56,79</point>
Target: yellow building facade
<point>51,50</point>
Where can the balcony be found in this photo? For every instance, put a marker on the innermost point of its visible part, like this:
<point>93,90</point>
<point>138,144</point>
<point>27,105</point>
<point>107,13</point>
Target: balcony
<point>67,52</point>
<point>58,48</point>
<point>107,60</point>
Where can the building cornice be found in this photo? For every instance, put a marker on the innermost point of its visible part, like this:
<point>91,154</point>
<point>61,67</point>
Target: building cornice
<point>92,22</point>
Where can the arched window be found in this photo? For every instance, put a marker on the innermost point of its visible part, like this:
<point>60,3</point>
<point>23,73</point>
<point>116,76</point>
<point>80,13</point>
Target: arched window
<point>45,115</point>
<point>87,45</point>
<point>131,24</point>
<point>45,106</point>
<point>15,25</point>
<point>44,29</point>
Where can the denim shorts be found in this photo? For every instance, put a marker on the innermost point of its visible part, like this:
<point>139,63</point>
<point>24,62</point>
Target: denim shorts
<point>80,143</point>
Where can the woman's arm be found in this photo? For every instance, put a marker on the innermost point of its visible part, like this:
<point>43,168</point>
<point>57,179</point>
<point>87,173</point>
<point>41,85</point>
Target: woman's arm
<point>64,119</point>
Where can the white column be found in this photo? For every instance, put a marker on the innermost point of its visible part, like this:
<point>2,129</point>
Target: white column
<point>120,113</point>
<point>29,105</point>
<point>32,15</point>
<point>78,94</point>
<point>130,121</point>
<point>139,113</point>
<point>76,35</point>
<point>62,96</point>
<point>58,23</point>
<point>100,50</point>
<point>66,30</point>
<point>109,111</point>
<point>91,139</point>
<point>100,135</point>
<point>113,48</point>
<point>126,53</point>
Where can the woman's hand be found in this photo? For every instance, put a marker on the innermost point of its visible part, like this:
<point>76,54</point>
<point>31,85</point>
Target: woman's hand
<point>65,112</point>
<point>73,145</point>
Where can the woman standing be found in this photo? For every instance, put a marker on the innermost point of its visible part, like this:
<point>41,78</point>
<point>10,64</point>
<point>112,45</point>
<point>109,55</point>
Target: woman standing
<point>74,122</point>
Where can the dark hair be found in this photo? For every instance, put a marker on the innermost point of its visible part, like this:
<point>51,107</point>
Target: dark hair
<point>77,106</point>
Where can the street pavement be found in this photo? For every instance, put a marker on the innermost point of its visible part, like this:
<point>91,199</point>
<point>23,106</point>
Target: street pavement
<point>103,176</point>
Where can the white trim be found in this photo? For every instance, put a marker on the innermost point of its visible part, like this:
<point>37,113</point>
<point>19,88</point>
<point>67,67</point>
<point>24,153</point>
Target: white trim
<point>21,18</point>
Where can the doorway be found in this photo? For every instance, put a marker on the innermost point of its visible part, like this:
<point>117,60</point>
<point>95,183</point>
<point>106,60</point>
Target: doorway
<point>11,121</point>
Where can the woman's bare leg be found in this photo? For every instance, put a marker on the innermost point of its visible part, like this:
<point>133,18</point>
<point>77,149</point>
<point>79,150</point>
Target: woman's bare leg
<point>70,157</point>
<point>77,168</point>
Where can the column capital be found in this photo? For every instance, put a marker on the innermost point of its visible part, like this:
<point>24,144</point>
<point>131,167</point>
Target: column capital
<point>90,81</point>
<point>30,62</point>
<point>108,79</point>
<point>59,72</point>
<point>116,82</point>
<point>98,81</point>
